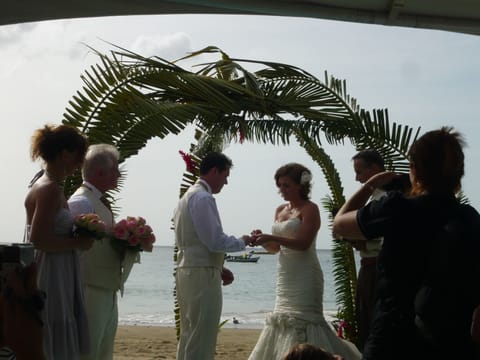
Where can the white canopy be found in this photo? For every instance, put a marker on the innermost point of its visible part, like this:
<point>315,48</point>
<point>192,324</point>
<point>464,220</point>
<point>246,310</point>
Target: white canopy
<point>451,15</point>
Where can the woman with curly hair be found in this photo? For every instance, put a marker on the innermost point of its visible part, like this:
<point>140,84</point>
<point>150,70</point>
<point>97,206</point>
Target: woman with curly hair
<point>50,224</point>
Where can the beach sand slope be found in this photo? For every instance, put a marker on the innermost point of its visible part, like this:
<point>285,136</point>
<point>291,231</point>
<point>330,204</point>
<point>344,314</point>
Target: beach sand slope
<point>156,342</point>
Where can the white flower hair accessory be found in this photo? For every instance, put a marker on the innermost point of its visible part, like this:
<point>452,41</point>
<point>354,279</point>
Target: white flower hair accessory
<point>305,178</point>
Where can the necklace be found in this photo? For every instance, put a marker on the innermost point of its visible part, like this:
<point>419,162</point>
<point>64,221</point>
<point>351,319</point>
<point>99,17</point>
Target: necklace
<point>52,178</point>
<point>291,209</point>
<point>294,209</point>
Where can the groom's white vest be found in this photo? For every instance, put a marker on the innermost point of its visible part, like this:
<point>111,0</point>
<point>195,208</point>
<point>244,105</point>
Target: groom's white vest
<point>191,251</point>
<point>101,264</point>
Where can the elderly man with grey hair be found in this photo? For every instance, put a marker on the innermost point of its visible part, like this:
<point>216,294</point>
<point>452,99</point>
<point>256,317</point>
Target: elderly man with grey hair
<point>102,264</point>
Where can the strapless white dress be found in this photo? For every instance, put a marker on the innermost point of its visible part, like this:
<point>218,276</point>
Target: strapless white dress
<point>298,314</point>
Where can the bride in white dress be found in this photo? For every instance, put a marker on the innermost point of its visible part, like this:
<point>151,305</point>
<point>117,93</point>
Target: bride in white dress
<point>298,314</point>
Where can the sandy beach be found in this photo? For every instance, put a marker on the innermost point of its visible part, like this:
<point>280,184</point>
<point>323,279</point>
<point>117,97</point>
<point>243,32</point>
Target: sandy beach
<point>156,342</point>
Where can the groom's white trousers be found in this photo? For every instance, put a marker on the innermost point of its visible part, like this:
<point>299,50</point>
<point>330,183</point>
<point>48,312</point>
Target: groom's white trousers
<point>199,294</point>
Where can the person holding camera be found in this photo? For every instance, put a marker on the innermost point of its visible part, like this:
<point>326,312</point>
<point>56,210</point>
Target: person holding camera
<point>102,264</point>
<point>50,224</point>
<point>428,267</point>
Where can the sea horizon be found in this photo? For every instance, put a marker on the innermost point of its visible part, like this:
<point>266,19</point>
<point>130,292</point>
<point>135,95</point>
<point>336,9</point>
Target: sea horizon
<point>148,293</point>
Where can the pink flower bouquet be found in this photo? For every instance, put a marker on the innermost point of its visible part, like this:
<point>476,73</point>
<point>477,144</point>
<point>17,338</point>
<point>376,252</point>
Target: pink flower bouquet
<point>89,225</point>
<point>133,232</point>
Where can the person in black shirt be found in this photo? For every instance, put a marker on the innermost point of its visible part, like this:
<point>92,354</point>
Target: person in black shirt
<point>428,237</point>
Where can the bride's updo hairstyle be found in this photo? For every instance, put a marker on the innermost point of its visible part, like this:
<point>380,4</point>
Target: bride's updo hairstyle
<point>49,142</point>
<point>299,174</point>
<point>437,161</point>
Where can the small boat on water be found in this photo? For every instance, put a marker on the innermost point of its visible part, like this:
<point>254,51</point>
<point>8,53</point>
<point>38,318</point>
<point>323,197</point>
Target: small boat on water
<point>241,258</point>
<point>260,252</point>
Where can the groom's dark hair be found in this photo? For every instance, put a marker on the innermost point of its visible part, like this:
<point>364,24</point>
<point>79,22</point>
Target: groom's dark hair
<point>215,160</point>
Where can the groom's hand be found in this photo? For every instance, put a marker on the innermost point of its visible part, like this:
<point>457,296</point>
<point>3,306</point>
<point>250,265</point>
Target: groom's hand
<point>262,239</point>
<point>227,276</point>
<point>248,240</point>
<point>253,236</point>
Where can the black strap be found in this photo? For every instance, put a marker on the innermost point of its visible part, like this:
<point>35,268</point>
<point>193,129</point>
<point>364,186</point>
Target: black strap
<point>37,176</point>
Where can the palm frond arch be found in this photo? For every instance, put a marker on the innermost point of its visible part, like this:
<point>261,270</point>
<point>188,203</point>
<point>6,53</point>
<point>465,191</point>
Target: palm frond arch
<point>128,99</point>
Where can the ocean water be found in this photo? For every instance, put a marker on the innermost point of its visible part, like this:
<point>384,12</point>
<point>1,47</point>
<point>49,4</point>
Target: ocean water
<point>148,294</point>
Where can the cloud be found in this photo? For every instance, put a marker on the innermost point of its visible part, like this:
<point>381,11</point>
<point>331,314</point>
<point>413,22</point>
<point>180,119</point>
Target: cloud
<point>44,39</point>
<point>13,34</point>
<point>169,47</point>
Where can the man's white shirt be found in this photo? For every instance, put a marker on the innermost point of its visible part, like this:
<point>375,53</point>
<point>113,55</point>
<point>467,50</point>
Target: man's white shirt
<point>80,204</point>
<point>373,246</point>
<point>206,220</point>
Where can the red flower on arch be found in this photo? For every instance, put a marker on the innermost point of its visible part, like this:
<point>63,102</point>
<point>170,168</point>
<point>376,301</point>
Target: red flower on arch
<point>189,162</point>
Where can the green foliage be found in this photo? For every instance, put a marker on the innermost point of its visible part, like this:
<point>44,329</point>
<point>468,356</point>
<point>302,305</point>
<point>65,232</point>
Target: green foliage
<point>221,324</point>
<point>344,270</point>
<point>128,99</point>
<point>392,141</point>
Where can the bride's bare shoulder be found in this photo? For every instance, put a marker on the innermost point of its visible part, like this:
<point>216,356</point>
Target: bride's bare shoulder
<point>310,209</point>
<point>311,205</point>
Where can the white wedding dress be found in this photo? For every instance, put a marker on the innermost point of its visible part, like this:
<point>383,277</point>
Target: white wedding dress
<point>298,314</point>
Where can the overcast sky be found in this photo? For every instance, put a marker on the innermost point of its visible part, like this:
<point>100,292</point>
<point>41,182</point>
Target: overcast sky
<point>425,78</point>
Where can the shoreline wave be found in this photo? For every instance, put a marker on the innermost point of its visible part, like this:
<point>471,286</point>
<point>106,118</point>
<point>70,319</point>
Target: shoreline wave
<point>246,321</point>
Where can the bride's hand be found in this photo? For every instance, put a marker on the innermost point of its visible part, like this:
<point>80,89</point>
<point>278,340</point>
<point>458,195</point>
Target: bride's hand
<point>262,239</point>
<point>268,242</point>
<point>253,237</point>
<point>248,240</point>
<point>255,232</point>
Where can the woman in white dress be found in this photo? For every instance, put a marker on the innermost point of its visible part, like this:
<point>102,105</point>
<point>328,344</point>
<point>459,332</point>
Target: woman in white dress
<point>62,148</point>
<point>298,314</point>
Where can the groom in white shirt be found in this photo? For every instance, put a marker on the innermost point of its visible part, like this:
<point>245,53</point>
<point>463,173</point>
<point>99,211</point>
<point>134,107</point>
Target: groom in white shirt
<point>201,246</point>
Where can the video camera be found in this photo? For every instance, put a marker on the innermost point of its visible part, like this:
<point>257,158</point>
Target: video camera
<point>14,256</point>
<point>400,183</point>
<point>15,262</point>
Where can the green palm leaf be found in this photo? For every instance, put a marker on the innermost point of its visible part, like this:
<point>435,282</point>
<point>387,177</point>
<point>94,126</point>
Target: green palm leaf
<point>128,99</point>
<point>392,141</point>
<point>344,269</point>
